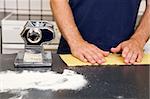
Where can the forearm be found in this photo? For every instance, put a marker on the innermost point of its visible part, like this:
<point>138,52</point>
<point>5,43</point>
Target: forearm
<point>143,30</point>
<point>65,20</point>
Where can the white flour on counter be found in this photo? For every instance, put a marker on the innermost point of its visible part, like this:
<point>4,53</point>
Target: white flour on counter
<point>68,80</point>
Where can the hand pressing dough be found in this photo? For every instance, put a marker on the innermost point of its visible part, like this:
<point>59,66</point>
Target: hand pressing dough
<point>112,59</point>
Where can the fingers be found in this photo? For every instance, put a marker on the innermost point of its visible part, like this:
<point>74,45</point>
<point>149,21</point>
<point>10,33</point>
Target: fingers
<point>96,57</point>
<point>125,52</point>
<point>92,58</point>
<point>90,53</point>
<point>128,57</point>
<point>132,52</point>
<point>140,56</point>
<point>82,58</point>
<point>105,53</point>
<point>99,51</point>
<point>99,55</point>
<point>85,57</point>
<point>131,57</point>
<point>117,49</point>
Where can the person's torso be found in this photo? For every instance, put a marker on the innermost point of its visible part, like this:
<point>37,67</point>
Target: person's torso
<point>104,23</point>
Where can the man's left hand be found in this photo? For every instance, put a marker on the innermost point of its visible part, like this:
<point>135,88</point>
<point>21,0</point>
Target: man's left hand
<point>131,49</point>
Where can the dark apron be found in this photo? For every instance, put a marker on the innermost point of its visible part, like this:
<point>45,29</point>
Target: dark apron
<point>104,23</point>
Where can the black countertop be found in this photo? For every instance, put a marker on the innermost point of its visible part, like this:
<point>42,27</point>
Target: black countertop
<point>105,82</point>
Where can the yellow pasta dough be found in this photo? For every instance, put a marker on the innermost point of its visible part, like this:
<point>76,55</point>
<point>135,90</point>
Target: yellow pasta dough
<point>112,59</point>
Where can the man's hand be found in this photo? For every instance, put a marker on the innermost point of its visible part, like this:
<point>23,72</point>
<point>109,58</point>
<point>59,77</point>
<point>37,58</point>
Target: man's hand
<point>87,52</point>
<point>131,49</point>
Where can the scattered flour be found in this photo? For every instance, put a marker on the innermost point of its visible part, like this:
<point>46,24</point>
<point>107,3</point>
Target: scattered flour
<point>68,80</point>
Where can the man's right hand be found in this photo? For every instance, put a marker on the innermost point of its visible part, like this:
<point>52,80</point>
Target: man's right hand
<point>87,52</point>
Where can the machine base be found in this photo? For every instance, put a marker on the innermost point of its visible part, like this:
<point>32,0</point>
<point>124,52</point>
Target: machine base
<point>46,60</point>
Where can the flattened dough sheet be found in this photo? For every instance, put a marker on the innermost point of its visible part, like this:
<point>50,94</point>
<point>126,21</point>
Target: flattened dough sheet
<point>112,59</point>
